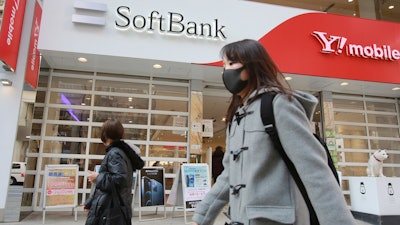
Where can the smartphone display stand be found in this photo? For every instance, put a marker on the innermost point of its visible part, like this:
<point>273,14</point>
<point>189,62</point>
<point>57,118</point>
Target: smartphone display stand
<point>151,192</point>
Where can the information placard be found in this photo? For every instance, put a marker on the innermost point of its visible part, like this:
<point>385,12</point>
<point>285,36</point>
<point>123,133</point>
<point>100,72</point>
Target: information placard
<point>195,184</point>
<point>60,187</point>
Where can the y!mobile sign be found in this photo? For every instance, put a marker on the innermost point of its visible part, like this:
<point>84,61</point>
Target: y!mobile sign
<point>337,46</point>
<point>10,33</point>
<point>32,67</point>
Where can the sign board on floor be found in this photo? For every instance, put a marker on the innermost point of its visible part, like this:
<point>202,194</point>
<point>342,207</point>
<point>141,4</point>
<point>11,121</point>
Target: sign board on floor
<point>195,184</point>
<point>60,187</point>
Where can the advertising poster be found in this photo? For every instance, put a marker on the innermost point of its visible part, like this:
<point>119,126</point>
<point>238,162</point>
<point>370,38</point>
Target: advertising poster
<point>195,183</point>
<point>208,130</point>
<point>61,185</point>
<point>152,186</point>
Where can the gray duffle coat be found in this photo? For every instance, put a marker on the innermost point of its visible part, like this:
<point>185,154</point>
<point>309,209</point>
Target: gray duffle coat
<point>257,183</point>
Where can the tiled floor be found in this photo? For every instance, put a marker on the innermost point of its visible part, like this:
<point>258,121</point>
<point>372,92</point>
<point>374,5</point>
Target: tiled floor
<point>67,218</point>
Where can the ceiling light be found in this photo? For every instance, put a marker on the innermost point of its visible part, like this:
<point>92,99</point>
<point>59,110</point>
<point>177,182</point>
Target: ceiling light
<point>157,66</point>
<point>395,88</point>
<point>350,0</point>
<point>82,59</point>
<point>130,99</point>
<point>391,7</point>
<point>6,82</point>
<point>288,78</point>
<point>344,84</point>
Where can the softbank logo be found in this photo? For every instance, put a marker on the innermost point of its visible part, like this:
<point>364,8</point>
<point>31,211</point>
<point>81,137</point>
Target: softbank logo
<point>90,13</point>
<point>167,23</point>
<point>336,44</point>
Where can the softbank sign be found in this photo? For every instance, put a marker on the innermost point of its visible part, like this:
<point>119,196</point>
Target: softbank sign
<point>154,21</point>
<point>336,44</point>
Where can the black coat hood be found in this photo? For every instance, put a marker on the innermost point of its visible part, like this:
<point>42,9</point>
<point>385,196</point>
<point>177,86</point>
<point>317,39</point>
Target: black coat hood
<point>136,161</point>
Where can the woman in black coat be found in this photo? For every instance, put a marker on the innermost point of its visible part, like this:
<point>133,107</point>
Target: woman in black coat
<point>116,171</point>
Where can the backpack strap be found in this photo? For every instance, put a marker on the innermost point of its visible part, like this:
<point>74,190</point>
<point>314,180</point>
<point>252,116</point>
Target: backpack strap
<point>268,119</point>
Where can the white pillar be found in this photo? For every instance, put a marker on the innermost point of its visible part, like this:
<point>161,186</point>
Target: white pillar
<point>10,101</point>
<point>367,9</point>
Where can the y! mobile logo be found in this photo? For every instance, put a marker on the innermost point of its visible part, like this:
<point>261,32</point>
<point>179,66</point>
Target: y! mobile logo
<point>336,44</point>
<point>89,8</point>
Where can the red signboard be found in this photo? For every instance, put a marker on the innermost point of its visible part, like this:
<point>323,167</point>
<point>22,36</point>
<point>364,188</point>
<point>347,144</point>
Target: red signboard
<point>33,61</point>
<point>10,33</point>
<point>335,46</point>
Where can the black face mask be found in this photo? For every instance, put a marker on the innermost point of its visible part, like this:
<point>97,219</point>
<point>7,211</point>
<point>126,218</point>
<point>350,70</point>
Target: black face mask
<point>232,81</point>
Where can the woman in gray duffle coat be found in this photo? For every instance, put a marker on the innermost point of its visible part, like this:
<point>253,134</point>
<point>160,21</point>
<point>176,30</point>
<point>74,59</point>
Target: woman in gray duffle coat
<point>256,182</point>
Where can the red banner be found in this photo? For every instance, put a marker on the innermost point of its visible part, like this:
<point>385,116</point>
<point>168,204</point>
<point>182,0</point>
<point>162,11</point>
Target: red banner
<point>10,33</point>
<point>335,46</point>
<point>33,61</point>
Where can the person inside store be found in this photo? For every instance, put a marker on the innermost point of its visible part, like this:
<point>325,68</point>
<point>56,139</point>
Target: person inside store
<point>255,183</point>
<point>217,166</point>
<point>111,202</point>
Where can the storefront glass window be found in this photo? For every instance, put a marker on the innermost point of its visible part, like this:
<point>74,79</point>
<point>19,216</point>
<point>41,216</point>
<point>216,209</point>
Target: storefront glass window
<point>72,83</point>
<point>382,119</point>
<point>383,132</point>
<point>154,113</point>
<point>123,102</point>
<point>170,105</point>
<point>351,130</point>
<point>381,106</point>
<point>366,124</point>
<point>167,151</point>
<point>348,104</point>
<point>349,117</point>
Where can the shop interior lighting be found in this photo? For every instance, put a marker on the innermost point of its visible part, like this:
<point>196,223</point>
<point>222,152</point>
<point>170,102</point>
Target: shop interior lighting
<point>288,78</point>
<point>350,0</point>
<point>344,84</point>
<point>6,82</point>
<point>395,88</point>
<point>82,59</point>
<point>66,101</point>
<point>391,7</point>
<point>157,66</point>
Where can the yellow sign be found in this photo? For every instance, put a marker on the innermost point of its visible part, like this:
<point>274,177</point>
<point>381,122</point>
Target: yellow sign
<point>61,185</point>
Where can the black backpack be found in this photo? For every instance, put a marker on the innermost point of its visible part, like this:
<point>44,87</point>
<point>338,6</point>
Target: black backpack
<point>267,116</point>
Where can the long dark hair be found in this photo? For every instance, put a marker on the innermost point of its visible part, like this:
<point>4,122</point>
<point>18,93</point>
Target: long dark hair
<point>263,72</point>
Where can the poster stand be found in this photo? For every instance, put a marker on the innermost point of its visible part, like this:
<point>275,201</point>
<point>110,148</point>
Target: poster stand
<point>190,186</point>
<point>134,188</point>
<point>176,194</point>
<point>60,188</point>
<point>152,191</point>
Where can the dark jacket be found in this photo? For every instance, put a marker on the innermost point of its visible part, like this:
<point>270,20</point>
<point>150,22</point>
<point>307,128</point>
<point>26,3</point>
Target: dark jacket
<point>116,169</point>
<point>217,166</point>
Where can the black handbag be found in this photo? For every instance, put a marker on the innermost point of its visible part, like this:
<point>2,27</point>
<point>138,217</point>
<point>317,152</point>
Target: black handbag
<point>117,214</point>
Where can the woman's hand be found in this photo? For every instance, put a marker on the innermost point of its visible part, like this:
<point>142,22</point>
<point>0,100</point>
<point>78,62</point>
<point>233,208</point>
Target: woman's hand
<point>85,208</point>
<point>92,176</point>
